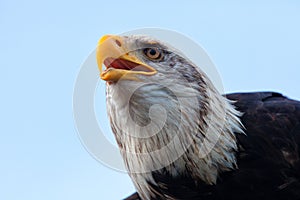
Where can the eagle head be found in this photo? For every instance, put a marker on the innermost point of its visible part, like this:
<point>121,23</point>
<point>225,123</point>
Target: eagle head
<point>141,58</point>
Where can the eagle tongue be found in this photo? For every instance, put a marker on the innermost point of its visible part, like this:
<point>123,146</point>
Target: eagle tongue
<point>119,63</point>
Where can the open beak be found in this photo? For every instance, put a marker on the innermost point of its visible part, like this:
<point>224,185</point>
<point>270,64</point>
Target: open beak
<point>112,52</point>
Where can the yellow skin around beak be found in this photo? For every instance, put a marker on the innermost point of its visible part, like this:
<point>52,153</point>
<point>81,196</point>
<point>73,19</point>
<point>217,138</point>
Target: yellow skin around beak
<point>113,47</point>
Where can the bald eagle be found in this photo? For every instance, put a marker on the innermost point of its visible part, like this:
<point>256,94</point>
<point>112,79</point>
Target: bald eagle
<point>181,139</point>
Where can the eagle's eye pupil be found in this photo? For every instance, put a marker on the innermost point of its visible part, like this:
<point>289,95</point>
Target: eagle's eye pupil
<point>153,53</point>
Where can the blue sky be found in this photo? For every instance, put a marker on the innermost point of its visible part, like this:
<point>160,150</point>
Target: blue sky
<point>255,46</point>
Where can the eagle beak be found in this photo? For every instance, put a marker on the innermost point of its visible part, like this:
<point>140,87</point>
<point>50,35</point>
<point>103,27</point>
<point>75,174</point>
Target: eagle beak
<point>112,52</point>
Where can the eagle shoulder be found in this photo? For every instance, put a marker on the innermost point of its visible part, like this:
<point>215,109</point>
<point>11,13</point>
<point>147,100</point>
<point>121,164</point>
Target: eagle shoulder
<point>267,156</point>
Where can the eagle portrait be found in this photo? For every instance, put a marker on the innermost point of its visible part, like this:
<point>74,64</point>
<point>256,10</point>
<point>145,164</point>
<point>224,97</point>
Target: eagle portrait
<point>181,139</point>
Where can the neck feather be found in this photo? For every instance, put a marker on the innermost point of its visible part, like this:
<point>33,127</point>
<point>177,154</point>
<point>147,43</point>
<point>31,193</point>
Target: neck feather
<point>182,130</point>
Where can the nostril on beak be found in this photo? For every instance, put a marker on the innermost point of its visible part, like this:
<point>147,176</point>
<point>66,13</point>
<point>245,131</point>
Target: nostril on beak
<point>118,43</point>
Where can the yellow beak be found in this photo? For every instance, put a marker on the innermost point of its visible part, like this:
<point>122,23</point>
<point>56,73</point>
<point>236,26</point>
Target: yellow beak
<point>111,52</point>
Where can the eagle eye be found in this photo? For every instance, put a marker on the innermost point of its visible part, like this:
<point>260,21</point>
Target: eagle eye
<point>153,53</point>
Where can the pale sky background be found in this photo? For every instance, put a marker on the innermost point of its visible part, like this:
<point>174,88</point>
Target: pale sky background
<point>255,46</point>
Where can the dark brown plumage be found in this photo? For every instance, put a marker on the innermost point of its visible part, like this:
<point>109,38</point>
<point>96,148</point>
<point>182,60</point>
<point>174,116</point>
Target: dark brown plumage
<point>267,157</point>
